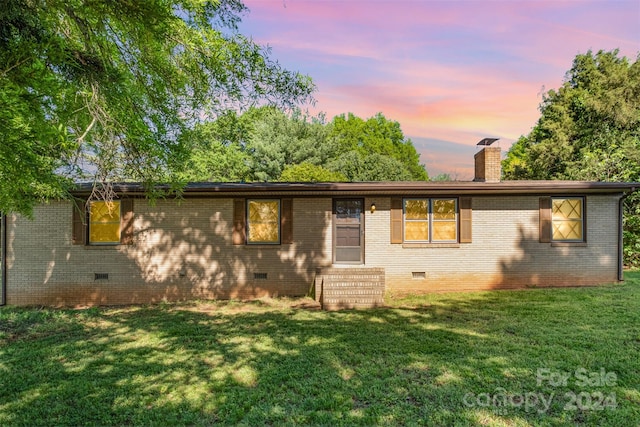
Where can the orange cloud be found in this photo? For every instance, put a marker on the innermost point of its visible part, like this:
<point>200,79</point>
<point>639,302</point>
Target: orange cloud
<point>448,71</point>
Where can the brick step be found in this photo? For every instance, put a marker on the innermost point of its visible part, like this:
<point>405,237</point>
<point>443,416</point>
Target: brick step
<point>339,284</point>
<point>339,288</point>
<point>355,291</point>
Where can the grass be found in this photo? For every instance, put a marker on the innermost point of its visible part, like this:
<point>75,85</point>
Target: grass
<point>445,359</point>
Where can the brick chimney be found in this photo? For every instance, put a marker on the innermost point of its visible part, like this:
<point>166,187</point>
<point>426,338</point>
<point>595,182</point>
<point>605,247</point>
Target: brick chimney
<point>487,162</point>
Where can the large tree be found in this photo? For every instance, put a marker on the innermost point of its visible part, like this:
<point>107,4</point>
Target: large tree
<point>104,89</point>
<point>589,129</point>
<point>278,140</point>
<point>216,152</point>
<point>374,137</point>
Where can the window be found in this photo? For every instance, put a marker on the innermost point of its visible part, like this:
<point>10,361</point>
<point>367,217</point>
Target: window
<point>263,221</point>
<point>430,220</point>
<point>567,219</point>
<point>99,222</point>
<point>104,222</point>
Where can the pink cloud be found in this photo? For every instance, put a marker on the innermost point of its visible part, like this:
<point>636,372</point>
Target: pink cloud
<point>452,71</point>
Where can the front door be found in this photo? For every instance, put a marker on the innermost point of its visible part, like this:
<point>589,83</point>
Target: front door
<point>348,231</point>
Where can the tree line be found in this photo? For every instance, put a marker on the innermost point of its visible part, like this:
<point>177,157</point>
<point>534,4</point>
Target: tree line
<point>267,144</point>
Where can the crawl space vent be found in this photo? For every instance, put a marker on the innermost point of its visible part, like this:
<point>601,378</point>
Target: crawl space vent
<point>260,276</point>
<point>100,276</point>
<point>419,275</point>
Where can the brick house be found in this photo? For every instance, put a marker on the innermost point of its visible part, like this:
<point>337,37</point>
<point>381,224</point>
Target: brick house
<point>346,242</point>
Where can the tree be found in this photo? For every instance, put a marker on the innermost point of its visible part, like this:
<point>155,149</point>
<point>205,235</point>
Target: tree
<point>377,136</point>
<point>373,167</point>
<point>589,129</point>
<point>293,146</point>
<point>104,90</point>
<point>277,140</point>
<point>307,172</point>
<point>443,177</point>
<point>215,151</point>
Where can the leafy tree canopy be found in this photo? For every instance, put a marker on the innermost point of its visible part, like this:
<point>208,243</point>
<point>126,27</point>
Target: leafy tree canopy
<point>276,146</point>
<point>307,172</point>
<point>215,154</point>
<point>377,135</point>
<point>589,129</point>
<point>373,167</point>
<point>278,140</point>
<point>105,90</point>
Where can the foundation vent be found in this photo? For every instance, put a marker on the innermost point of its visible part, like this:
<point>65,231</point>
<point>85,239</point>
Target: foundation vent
<point>100,276</point>
<point>259,276</point>
<point>419,275</point>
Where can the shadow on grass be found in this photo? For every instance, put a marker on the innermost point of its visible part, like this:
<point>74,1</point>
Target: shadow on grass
<point>432,361</point>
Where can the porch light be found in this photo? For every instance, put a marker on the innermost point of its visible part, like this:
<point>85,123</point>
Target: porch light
<point>373,207</point>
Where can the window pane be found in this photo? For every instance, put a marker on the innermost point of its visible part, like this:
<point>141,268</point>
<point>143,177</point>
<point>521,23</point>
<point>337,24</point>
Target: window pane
<point>105,211</point>
<point>567,209</point>
<point>444,209</point>
<point>266,233</point>
<point>263,211</point>
<point>348,209</point>
<point>104,222</point>
<point>416,209</point>
<point>430,220</point>
<point>444,231</point>
<point>567,230</point>
<point>416,231</point>
<point>264,221</point>
<point>104,233</point>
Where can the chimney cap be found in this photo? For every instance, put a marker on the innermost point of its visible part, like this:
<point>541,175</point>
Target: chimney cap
<point>487,141</point>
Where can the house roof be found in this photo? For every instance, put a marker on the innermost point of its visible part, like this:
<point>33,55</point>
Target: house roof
<point>227,189</point>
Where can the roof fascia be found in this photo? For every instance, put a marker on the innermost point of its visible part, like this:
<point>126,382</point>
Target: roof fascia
<point>380,188</point>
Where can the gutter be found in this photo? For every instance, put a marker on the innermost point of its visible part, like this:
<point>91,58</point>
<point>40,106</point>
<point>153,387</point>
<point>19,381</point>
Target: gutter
<point>300,189</point>
<point>620,234</point>
<point>3,259</point>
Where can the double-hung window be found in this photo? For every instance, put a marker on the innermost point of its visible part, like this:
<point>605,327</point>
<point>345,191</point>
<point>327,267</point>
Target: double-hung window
<point>430,220</point>
<point>563,220</point>
<point>567,219</point>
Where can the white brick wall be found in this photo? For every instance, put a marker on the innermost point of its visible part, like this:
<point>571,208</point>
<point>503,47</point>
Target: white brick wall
<point>184,250</point>
<point>505,251</point>
<point>180,251</point>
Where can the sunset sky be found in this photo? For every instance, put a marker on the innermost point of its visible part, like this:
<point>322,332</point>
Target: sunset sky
<point>450,72</point>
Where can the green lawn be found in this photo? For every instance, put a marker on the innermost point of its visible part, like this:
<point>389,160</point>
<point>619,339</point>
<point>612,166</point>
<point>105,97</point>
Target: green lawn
<point>492,358</point>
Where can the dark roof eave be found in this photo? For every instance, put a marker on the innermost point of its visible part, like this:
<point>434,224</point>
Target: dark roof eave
<point>383,188</point>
